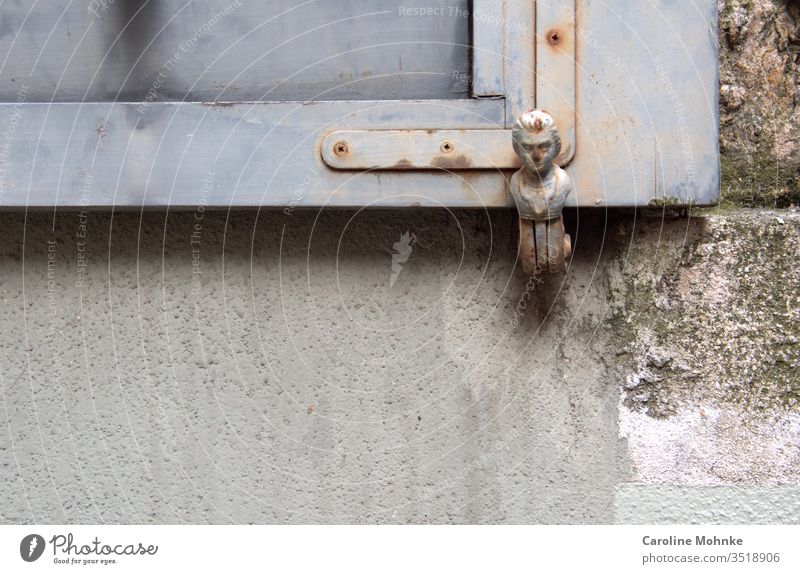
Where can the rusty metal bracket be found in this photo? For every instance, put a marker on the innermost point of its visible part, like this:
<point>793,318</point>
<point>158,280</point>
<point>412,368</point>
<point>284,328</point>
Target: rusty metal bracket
<point>539,189</point>
<point>418,149</point>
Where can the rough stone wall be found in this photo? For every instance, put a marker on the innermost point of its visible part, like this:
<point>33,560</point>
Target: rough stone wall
<point>707,337</point>
<point>760,101</point>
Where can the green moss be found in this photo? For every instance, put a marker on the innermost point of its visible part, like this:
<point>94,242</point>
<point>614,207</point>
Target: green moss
<point>682,344</point>
<point>665,201</point>
<point>759,181</point>
<point>723,208</point>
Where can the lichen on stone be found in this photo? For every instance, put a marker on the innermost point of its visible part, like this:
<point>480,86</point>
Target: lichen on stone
<point>711,311</point>
<point>760,102</point>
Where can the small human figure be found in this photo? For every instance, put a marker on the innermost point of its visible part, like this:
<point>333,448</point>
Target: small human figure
<point>540,188</point>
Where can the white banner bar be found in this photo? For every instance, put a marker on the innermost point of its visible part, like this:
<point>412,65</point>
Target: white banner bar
<point>401,549</point>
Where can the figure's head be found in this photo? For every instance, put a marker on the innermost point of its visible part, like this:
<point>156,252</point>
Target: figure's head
<point>536,140</point>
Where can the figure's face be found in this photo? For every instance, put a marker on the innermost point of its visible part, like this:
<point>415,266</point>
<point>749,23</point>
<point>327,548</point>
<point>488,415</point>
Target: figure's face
<point>536,150</point>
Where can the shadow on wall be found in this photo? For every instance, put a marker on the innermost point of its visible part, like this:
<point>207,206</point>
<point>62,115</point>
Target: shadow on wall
<point>348,255</point>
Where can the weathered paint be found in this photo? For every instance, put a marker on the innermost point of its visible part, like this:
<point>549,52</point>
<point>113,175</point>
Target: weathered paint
<point>237,50</point>
<point>645,109</point>
<point>260,154</point>
<point>555,69</point>
<point>488,39</point>
<point>520,58</point>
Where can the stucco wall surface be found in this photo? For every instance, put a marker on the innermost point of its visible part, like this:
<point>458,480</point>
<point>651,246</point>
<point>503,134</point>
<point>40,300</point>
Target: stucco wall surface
<point>393,366</point>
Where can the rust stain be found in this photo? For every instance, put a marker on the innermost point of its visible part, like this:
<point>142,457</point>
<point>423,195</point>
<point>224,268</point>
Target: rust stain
<point>460,161</point>
<point>404,164</point>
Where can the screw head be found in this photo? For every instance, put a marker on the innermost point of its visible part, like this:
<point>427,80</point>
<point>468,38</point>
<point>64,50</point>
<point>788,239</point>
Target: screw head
<point>446,147</point>
<point>340,148</point>
<point>554,37</point>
